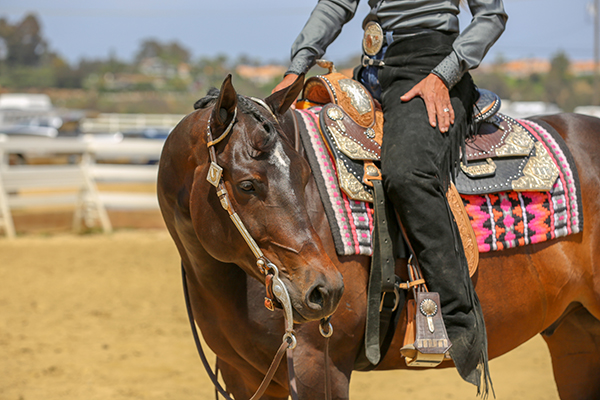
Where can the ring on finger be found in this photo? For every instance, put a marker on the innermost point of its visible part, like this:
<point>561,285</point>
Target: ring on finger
<point>446,110</point>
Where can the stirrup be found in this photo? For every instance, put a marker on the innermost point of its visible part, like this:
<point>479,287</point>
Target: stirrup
<point>414,358</point>
<point>426,341</point>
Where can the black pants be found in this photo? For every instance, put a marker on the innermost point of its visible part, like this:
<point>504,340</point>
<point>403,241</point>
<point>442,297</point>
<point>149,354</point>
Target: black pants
<point>417,162</point>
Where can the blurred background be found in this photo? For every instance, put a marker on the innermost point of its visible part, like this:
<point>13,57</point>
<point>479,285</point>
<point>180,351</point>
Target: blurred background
<point>134,56</point>
<point>88,93</point>
<point>121,72</point>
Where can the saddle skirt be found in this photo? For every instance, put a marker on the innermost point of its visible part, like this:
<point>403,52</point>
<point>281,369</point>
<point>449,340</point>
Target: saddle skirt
<point>517,180</point>
<point>506,155</point>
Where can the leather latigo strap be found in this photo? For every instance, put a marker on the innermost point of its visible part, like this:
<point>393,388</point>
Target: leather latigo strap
<point>382,280</point>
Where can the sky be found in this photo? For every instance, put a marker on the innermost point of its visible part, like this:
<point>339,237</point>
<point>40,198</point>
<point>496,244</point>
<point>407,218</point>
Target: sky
<point>265,29</point>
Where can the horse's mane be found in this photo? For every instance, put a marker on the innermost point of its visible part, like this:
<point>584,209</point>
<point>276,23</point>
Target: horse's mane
<point>208,100</point>
<point>262,144</point>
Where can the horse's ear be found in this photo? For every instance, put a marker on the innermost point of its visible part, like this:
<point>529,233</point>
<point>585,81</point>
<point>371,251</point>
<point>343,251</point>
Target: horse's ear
<point>281,100</point>
<point>224,109</point>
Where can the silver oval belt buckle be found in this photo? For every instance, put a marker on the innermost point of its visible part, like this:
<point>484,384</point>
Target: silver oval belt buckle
<point>373,38</point>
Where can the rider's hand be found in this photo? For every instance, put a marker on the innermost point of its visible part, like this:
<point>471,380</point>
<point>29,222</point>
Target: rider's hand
<point>437,100</point>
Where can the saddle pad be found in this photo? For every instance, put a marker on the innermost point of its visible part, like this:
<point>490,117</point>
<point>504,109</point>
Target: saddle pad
<point>351,221</point>
<point>508,219</point>
<point>500,220</point>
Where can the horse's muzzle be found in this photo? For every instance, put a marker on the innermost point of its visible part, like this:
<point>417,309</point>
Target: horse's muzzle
<point>321,299</point>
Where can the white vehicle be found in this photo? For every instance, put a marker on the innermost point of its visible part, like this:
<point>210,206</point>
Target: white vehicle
<point>28,114</point>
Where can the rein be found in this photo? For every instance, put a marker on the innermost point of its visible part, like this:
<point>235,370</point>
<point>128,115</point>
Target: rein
<point>286,345</point>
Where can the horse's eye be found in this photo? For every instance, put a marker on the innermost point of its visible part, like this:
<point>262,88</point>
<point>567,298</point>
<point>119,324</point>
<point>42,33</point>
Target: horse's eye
<point>247,186</point>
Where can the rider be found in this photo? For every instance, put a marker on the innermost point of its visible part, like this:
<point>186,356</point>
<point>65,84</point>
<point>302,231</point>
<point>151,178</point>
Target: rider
<point>420,77</point>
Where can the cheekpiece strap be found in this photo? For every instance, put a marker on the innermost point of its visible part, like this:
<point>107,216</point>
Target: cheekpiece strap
<point>217,140</point>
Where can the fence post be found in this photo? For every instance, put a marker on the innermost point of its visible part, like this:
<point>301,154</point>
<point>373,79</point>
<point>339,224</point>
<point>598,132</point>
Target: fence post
<point>6,220</point>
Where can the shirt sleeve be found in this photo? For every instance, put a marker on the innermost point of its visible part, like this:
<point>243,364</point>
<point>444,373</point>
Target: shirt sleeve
<point>473,43</point>
<point>321,29</point>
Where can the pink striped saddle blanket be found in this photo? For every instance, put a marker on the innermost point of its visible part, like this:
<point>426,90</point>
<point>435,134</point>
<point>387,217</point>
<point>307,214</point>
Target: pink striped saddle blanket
<point>501,216</point>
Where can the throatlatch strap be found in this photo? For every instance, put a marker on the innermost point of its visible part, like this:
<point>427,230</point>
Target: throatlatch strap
<point>381,278</point>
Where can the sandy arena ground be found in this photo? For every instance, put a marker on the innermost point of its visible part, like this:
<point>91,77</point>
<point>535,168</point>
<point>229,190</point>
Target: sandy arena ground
<point>102,317</point>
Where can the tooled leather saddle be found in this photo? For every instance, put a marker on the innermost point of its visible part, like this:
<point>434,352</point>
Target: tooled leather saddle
<point>495,160</point>
<point>498,137</point>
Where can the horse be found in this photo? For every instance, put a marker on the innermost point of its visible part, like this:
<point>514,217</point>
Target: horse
<point>552,288</point>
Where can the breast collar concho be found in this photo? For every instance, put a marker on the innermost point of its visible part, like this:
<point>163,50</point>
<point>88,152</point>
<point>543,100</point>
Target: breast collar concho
<point>275,286</point>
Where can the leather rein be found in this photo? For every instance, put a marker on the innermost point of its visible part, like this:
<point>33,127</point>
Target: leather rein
<point>275,288</point>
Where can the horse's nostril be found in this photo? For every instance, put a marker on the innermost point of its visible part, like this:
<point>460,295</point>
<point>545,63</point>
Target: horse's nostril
<point>315,298</point>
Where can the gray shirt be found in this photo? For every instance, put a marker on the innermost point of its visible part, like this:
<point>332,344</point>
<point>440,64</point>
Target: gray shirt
<point>329,16</point>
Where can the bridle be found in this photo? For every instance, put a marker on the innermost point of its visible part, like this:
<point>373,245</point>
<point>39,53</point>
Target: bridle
<point>277,293</point>
<point>266,267</point>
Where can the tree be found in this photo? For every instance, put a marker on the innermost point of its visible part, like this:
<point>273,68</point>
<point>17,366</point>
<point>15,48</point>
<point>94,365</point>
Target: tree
<point>172,53</point>
<point>558,81</point>
<point>211,71</point>
<point>24,43</point>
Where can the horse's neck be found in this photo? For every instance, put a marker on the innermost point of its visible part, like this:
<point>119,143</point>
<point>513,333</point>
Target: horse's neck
<point>216,281</point>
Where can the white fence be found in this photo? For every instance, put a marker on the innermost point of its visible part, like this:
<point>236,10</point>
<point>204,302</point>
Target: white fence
<point>112,122</point>
<point>107,166</point>
<point>90,159</point>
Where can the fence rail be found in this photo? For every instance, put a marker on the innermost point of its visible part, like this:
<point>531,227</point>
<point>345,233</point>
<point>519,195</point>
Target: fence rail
<point>89,160</point>
<point>112,122</point>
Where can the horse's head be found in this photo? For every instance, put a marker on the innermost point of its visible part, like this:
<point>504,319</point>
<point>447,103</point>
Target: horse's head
<point>265,179</point>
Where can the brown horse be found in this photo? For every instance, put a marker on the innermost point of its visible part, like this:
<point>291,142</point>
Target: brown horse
<point>551,288</point>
